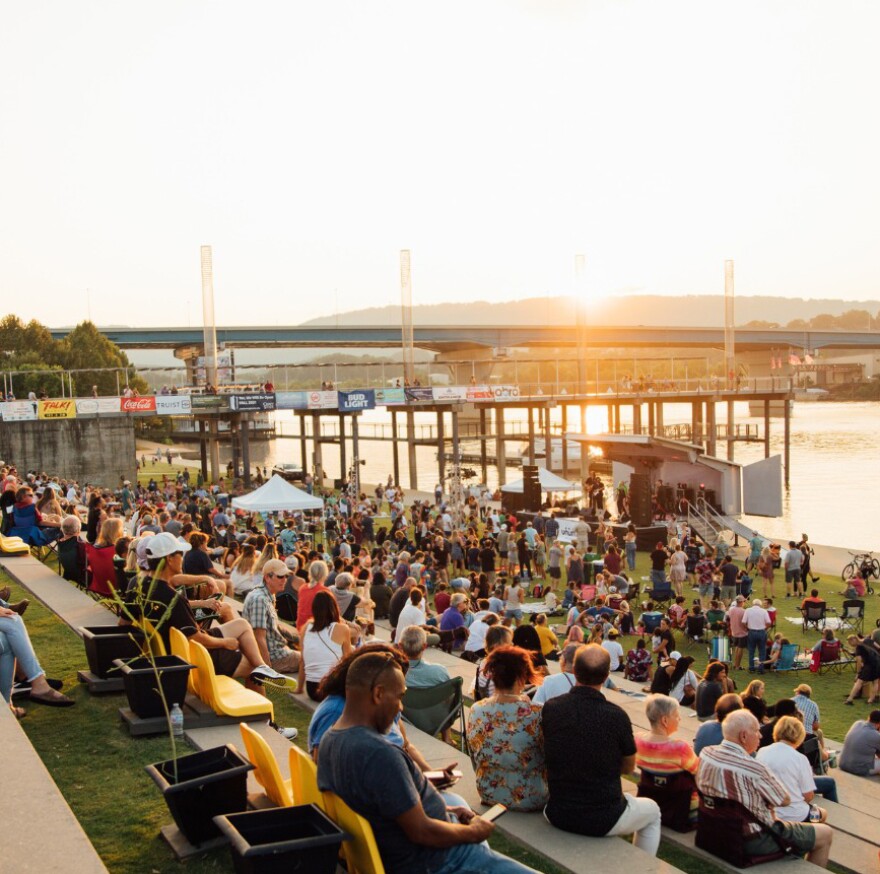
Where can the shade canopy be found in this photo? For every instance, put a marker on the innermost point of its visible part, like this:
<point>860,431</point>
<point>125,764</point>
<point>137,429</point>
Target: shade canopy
<point>276,496</point>
<point>549,483</point>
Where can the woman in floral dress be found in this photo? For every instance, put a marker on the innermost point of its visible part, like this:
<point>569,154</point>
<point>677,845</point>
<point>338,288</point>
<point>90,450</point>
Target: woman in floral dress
<point>504,733</point>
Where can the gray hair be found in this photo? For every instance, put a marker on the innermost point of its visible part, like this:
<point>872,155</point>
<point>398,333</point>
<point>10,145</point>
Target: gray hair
<point>343,580</point>
<point>413,641</point>
<point>318,571</point>
<point>457,599</point>
<point>658,706</point>
<point>71,525</point>
<point>737,722</point>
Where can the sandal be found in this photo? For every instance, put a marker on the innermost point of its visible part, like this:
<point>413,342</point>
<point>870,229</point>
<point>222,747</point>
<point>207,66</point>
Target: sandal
<point>18,712</point>
<point>53,699</point>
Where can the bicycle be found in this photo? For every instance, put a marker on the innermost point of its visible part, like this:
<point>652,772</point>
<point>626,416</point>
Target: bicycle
<point>866,564</point>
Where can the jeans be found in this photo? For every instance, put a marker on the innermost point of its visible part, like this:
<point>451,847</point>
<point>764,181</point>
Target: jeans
<point>757,640</point>
<point>641,819</point>
<point>479,859</point>
<point>17,638</point>
<point>658,579</point>
<point>630,555</point>
<point>827,788</point>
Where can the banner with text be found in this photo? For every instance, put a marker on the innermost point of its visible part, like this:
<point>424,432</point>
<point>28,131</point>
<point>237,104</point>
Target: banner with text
<point>419,395</point>
<point>505,392</point>
<point>96,406</point>
<point>18,411</point>
<point>209,402</point>
<point>350,401</point>
<point>291,400</point>
<point>64,408</point>
<point>173,405</point>
<point>323,400</point>
<point>455,393</point>
<point>480,393</point>
<point>252,402</point>
<point>390,397</point>
<point>138,405</point>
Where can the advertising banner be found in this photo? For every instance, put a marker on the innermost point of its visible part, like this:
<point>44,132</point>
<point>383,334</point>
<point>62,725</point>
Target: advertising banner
<point>480,393</point>
<point>96,406</point>
<point>390,397</point>
<point>418,395</point>
<point>252,402</point>
<point>65,408</point>
<point>18,411</point>
<point>505,392</point>
<point>455,393</point>
<point>323,400</point>
<point>173,405</point>
<point>291,400</point>
<point>138,405</point>
<point>349,401</point>
<point>209,402</point>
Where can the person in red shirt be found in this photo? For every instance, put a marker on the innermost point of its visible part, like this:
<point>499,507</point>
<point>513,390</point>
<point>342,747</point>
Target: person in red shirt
<point>442,599</point>
<point>318,573</point>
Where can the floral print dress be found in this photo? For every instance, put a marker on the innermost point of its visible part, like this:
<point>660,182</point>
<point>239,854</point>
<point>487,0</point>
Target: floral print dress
<point>507,746</point>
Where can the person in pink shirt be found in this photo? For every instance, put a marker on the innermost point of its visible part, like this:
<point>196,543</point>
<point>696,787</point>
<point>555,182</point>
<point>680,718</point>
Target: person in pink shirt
<point>739,634</point>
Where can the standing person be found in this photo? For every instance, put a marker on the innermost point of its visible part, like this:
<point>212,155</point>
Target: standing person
<point>554,563</point>
<point>766,570</point>
<point>793,564</point>
<point>585,793</point>
<point>757,620</point>
<point>659,557</point>
<point>756,544</point>
<point>737,631</point>
<point>678,569</point>
<point>514,599</point>
<point>630,546</point>
<point>807,550</point>
<point>575,568</point>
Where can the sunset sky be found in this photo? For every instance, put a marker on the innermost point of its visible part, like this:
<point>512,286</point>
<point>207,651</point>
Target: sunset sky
<point>309,142</point>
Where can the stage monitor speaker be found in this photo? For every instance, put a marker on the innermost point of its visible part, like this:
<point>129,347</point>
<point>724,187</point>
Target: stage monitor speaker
<point>640,499</point>
<point>531,488</point>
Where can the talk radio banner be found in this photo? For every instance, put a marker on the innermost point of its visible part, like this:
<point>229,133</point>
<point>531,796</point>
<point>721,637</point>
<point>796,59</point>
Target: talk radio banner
<point>57,409</point>
<point>138,405</point>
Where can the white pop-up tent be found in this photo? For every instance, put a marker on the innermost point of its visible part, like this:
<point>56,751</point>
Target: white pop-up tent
<point>549,483</point>
<point>276,496</point>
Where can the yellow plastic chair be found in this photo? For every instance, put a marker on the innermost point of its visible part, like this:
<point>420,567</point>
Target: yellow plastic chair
<point>13,546</point>
<point>361,853</point>
<point>180,648</point>
<point>304,778</point>
<point>154,639</point>
<point>266,771</point>
<point>223,695</point>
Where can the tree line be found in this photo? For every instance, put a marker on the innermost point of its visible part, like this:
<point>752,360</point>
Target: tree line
<point>851,320</point>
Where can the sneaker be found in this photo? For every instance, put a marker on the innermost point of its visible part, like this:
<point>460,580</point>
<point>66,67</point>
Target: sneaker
<point>289,733</point>
<point>269,677</point>
<point>20,606</point>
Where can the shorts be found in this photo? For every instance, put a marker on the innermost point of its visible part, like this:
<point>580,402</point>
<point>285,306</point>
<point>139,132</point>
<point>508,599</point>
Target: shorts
<point>513,614</point>
<point>555,573</point>
<point>801,835</point>
<point>287,664</point>
<point>728,593</point>
<point>226,661</point>
<point>740,642</point>
<point>793,576</point>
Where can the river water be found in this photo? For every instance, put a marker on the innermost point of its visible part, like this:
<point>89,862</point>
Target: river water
<point>835,466</point>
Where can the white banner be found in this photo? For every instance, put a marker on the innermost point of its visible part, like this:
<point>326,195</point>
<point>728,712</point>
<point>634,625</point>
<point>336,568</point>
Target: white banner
<point>505,392</point>
<point>567,530</point>
<point>323,400</point>
<point>173,405</point>
<point>450,393</point>
<point>95,406</point>
<point>18,411</point>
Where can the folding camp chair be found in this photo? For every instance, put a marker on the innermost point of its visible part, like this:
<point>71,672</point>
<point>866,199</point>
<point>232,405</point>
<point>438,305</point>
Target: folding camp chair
<point>435,708</point>
<point>852,616</point>
<point>662,595</point>
<point>788,660</point>
<point>100,571</point>
<point>832,659</point>
<point>814,614</point>
<point>720,649</point>
<point>695,630</point>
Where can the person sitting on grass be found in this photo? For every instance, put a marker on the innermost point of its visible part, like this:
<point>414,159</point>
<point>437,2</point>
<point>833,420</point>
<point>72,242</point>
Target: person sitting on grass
<point>639,665</point>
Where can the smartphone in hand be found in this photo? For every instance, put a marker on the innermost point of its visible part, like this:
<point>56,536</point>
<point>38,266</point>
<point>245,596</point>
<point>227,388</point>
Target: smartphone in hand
<point>493,812</point>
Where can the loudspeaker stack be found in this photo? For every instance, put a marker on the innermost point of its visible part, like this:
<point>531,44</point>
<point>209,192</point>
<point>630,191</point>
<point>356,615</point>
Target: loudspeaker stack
<point>640,499</point>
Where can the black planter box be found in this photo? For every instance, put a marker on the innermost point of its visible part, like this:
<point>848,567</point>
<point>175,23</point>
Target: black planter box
<point>207,784</point>
<point>106,643</point>
<point>283,840</point>
<point>139,679</point>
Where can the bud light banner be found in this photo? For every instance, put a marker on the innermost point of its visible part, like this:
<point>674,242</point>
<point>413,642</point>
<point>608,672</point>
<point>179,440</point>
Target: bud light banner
<point>350,401</point>
<point>291,400</point>
<point>419,395</point>
<point>252,402</point>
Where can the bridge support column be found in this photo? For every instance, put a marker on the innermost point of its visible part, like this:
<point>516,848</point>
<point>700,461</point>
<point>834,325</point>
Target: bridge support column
<point>697,423</point>
<point>564,441</point>
<point>484,461</point>
<point>500,446</point>
<point>411,449</point>
<point>441,449</point>
<point>203,450</point>
<point>585,456</point>
<point>235,442</point>
<point>531,448</point>
<point>731,431</point>
<point>343,464</point>
<point>651,420</point>
<point>245,437</point>
<point>317,460</point>
<point>610,410</point>
<point>214,449</point>
<point>355,454</point>
<point>548,443</point>
<point>637,418</point>
<point>786,452</point>
<point>395,449</point>
<point>303,455</point>
<point>659,423</point>
<point>711,430</point>
<point>766,429</point>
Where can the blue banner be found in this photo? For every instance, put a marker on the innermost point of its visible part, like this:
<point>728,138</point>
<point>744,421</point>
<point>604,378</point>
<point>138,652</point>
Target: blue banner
<point>351,401</point>
<point>419,395</point>
<point>291,400</point>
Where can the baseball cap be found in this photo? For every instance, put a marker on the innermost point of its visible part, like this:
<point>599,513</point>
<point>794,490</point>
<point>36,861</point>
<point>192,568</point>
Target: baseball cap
<point>141,549</point>
<point>674,655</point>
<point>276,567</point>
<point>165,544</point>
<point>292,563</point>
<point>613,632</point>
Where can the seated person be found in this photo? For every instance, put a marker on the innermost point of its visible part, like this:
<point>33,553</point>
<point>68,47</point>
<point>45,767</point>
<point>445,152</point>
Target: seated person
<point>548,638</point>
<point>813,599</point>
<point>861,747</point>
<point>650,618</point>
<point>29,524</point>
<point>659,755</point>
<point>711,688</point>
<point>453,622</point>
<point>639,664</point>
<point>775,650</point>
<point>709,734</point>
<point>413,827</point>
<point>504,735</point>
<point>855,586</point>
<point>715,616</point>
<point>527,638</point>
<point>71,553</point>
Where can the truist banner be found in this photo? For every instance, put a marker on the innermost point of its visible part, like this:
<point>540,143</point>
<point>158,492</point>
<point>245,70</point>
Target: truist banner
<point>173,405</point>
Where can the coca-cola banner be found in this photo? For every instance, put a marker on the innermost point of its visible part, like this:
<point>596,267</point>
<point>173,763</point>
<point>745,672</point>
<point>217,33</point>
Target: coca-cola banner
<point>173,405</point>
<point>138,405</point>
<point>96,406</point>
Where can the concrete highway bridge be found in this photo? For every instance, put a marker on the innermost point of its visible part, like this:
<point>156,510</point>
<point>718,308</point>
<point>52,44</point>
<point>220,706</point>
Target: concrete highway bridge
<point>474,338</point>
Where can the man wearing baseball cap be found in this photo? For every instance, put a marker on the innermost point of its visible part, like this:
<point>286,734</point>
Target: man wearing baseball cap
<point>259,610</point>
<point>232,645</point>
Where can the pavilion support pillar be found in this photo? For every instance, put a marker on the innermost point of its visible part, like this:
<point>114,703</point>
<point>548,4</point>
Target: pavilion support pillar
<point>441,449</point>
<point>395,448</point>
<point>766,429</point>
<point>711,429</point>
<point>317,460</point>
<point>500,447</point>
<point>244,432</point>
<point>411,449</point>
<point>531,447</point>
<point>786,452</point>
<point>731,431</point>
<point>343,464</point>
<point>564,441</point>
<point>637,418</point>
<point>484,461</point>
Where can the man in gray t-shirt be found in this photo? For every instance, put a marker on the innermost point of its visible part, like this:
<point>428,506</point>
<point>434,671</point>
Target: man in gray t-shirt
<point>861,747</point>
<point>414,829</point>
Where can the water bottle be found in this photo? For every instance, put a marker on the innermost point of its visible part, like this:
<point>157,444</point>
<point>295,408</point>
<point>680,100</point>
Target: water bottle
<point>815,815</point>
<point>177,721</point>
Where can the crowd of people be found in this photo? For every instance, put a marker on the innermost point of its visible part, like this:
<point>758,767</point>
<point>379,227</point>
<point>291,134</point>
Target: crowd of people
<point>481,585</point>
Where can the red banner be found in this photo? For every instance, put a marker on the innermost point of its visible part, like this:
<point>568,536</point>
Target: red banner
<point>138,405</point>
